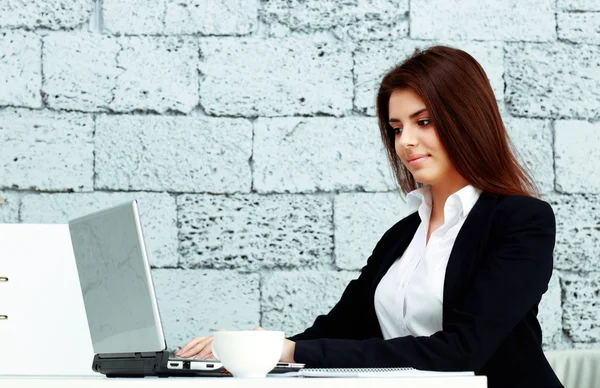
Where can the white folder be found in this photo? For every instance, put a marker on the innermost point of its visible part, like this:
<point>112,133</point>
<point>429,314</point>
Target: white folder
<point>43,326</point>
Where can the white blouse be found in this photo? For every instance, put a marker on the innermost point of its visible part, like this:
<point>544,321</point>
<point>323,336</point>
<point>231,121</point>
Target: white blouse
<point>408,300</point>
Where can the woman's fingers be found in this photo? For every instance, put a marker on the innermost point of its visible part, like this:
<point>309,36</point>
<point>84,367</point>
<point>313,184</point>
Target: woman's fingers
<point>196,346</point>
<point>190,345</point>
<point>199,347</point>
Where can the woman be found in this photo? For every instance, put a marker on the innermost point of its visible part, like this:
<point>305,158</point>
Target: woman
<point>454,286</point>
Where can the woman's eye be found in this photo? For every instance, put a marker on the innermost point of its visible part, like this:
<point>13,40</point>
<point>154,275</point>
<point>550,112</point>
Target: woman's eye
<point>424,122</point>
<point>397,130</point>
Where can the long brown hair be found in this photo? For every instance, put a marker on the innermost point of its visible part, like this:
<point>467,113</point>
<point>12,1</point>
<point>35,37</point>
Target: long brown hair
<point>464,112</point>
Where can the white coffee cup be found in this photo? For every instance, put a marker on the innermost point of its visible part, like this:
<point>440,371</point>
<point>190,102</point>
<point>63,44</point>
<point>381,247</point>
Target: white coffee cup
<point>249,354</point>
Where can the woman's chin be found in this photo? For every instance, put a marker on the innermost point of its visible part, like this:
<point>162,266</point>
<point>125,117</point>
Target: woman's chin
<point>422,178</point>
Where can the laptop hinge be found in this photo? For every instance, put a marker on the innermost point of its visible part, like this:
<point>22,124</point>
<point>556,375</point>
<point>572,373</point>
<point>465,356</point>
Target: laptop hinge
<point>129,355</point>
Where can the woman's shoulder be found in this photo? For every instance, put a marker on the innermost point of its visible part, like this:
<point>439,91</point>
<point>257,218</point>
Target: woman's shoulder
<point>523,208</point>
<point>522,202</point>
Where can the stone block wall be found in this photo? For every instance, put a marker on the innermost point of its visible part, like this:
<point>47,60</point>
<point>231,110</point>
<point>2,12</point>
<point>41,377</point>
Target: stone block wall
<point>246,130</point>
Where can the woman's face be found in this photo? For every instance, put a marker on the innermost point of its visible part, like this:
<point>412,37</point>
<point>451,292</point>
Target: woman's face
<point>417,143</point>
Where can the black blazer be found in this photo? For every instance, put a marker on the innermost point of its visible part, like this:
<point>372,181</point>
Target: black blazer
<point>499,267</point>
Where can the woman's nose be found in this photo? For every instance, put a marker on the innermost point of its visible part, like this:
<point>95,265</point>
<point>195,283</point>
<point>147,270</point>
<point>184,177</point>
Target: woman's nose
<point>408,137</point>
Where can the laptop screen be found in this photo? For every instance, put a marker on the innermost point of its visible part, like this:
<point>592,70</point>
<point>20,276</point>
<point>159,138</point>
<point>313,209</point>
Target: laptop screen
<point>115,280</point>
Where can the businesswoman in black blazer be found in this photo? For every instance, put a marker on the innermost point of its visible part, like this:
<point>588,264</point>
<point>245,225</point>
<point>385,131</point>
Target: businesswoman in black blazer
<point>454,286</point>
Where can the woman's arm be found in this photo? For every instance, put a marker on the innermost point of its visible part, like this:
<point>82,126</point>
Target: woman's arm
<point>512,279</point>
<point>336,324</point>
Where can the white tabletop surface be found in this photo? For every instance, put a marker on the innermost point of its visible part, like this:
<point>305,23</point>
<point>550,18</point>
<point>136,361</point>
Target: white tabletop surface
<point>228,382</point>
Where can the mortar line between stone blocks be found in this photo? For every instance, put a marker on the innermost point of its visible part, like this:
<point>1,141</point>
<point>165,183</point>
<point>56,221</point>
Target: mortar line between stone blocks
<point>251,160</point>
<point>201,77</point>
<point>580,11</point>
<point>353,74</point>
<point>553,134</point>
<point>504,86</point>
<point>260,306</point>
<point>409,20</point>
<point>333,256</point>
<point>99,14</point>
<point>94,174</point>
<point>42,95</point>
<point>566,342</point>
<point>173,193</point>
<point>556,19</point>
<point>562,309</point>
<point>113,91</point>
<point>19,209</point>
<point>177,227</point>
<point>571,272</point>
<point>164,16</point>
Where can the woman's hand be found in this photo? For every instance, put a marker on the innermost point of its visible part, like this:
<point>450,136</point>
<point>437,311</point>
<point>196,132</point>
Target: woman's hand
<point>200,347</point>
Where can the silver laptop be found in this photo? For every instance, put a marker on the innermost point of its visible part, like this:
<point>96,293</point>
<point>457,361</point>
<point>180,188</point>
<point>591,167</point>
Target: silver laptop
<point>119,299</point>
<point>120,304</point>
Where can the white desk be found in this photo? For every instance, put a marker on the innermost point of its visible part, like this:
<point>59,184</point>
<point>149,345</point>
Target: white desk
<point>228,382</point>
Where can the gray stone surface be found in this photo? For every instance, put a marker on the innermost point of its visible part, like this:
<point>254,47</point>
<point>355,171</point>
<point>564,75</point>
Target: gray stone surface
<point>553,80</point>
<point>374,59</point>
<point>43,150</point>
<point>360,221</point>
<point>20,69</point>
<point>120,74</point>
<point>578,5</point>
<point>531,20</point>
<point>550,313</point>
<point>577,156</point>
<point>211,17</point>
<point>53,14</point>
<point>181,154</point>
<point>275,77</point>
<point>291,301</point>
<point>253,231</point>
<point>577,231</point>
<point>157,214</point>
<point>86,81</point>
<point>359,20</point>
<point>533,141</point>
<point>581,316</point>
<point>9,207</point>
<point>319,154</point>
<point>579,27</point>
<point>159,74</point>
<point>133,16</point>
<point>199,302</point>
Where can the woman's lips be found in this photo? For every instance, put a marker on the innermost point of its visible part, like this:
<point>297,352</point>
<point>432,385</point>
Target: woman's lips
<point>418,160</point>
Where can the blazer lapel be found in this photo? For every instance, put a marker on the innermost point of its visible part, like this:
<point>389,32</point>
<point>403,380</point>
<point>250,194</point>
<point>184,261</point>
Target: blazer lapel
<point>398,246</point>
<point>467,249</point>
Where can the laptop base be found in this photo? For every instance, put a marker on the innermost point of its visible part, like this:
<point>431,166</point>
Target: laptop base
<point>146,364</point>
